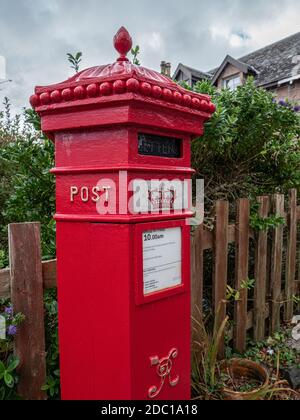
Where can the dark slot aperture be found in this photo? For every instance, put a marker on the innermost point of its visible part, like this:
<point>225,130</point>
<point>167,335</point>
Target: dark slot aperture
<point>154,145</point>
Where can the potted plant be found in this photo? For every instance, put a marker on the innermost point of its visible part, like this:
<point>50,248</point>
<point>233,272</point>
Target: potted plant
<point>243,379</point>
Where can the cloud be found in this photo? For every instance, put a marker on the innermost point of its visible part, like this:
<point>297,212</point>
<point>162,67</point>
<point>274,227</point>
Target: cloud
<point>235,38</point>
<point>2,68</point>
<point>152,40</point>
<point>36,35</point>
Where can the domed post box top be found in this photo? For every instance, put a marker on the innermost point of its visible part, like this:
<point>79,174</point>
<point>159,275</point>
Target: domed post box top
<point>120,82</point>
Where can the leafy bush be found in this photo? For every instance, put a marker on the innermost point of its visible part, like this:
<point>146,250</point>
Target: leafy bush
<point>276,347</point>
<point>52,387</point>
<point>27,192</point>
<point>250,146</point>
<point>9,378</point>
<point>8,362</point>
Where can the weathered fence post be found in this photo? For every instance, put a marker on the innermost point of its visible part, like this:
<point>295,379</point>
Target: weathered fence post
<point>298,281</point>
<point>276,265</point>
<point>261,273</point>
<point>290,280</point>
<point>241,268</point>
<point>221,265</point>
<point>27,298</point>
<point>197,282</point>
<point>4,284</point>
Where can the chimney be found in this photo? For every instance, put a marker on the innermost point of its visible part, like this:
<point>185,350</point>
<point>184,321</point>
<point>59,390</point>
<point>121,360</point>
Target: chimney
<point>166,69</point>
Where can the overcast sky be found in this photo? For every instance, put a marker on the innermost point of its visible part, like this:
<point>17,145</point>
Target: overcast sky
<point>35,35</point>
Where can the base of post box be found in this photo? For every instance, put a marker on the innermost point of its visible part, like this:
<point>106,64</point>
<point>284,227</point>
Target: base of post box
<point>124,310</point>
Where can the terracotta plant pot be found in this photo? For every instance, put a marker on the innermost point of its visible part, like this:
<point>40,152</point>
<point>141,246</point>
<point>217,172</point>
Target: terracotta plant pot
<point>243,370</point>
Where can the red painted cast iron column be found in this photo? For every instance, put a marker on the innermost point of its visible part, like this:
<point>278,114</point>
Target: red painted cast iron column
<point>123,263</point>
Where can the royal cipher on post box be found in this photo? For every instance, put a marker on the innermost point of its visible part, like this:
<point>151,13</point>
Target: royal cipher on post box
<point>122,138</point>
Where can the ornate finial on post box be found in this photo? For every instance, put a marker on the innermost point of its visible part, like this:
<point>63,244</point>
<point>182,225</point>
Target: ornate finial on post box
<point>123,43</point>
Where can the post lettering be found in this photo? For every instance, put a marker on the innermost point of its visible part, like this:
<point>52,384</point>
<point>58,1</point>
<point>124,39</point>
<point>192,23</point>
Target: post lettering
<point>74,192</point>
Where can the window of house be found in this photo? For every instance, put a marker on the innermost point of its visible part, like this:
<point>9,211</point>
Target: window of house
<point>232,83</point>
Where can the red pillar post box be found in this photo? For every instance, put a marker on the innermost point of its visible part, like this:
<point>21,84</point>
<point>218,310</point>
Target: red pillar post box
<point>122,138</point>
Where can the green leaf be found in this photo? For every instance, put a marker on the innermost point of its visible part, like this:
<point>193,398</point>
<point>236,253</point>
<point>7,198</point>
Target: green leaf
<point>14,363</point>
<point>2,369</point>
<point>8,379</point>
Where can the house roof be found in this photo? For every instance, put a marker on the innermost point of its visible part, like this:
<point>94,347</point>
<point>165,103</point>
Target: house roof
<point>274,62</point>
<point>243,67</point>
<point>191,72</point>
<point>271,64</point>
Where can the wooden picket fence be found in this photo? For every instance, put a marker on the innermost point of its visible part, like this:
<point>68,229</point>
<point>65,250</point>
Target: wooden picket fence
<point>27,278</point>
<point>277,278</point>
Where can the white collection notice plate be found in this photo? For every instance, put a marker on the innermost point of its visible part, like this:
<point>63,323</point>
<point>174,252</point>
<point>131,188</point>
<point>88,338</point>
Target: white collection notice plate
<point>162,257</point>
